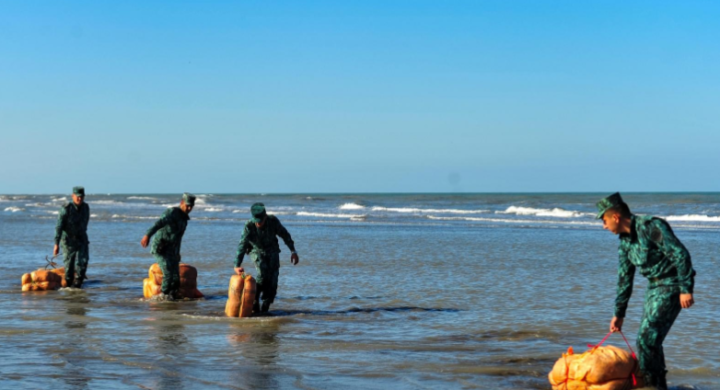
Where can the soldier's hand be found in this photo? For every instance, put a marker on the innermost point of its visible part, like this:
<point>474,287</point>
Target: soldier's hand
<point>686,300</point>
<point>56,250</point>
<point>144,241</point>
<point>616,324</point>
<point>294,259</point>
<point>239,270</point>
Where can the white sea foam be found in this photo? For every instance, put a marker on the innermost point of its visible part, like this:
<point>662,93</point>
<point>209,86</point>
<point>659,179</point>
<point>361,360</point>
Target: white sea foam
<point>693,217</point>
<point>93,215</point>
<point>351,206</point>
<point>505,220</point>
<point>141,198</point>
<point>556,212</point>
<point>214,209</point>
<point>14,209</point>
<point>60,199</point>
<point>104,202</point>
<point>410,210</point>
<point>325,215</point>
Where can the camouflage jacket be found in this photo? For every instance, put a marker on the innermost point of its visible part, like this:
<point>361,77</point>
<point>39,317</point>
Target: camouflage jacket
<point>170,229</point>
<point>72,223</point>
<point>263,241</point>
<point>652,248</point>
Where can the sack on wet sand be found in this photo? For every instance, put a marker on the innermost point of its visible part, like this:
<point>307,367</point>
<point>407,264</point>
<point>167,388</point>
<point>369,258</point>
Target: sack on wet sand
<point>188,282</point>
<point>241,295</point>
<point>600,368</point>
<point>44,280</point>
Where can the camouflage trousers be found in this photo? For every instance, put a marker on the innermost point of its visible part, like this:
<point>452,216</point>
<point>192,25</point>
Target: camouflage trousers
<point>662,306</point>
<point>76,260</point>
<point>170,267</point>
<point>268,271</point>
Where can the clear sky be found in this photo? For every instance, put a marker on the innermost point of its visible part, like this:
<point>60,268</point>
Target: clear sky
<point>359,96</point>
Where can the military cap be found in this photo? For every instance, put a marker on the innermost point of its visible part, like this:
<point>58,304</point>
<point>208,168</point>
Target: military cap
<point>607,203</point>
<point>258,212</point>
<point>79,191</point>
<point>189,199</point>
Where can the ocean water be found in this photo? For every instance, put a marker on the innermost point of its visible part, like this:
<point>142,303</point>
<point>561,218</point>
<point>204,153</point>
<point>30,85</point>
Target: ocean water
<point>466,291</point>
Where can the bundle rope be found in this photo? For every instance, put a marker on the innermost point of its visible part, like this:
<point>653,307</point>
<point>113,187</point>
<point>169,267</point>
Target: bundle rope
<point>635,361</point>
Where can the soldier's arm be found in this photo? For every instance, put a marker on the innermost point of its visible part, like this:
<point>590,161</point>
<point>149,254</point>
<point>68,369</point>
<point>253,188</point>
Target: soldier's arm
<point>626,276</point>
<point>242,247</point>
<point>87,217</point>
<point>60,224</point>
<point>663,236</point>
<point>159,224</point>
<point>285,235</point>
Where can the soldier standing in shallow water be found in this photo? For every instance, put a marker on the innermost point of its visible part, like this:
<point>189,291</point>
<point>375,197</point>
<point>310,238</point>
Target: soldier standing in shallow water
<point>170,229</point>
<point>260,239</point>
<point>71,230</point>
<point>649,244</point>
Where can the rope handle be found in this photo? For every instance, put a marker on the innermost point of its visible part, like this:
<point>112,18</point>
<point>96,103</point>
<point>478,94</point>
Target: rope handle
<point>594,347</point>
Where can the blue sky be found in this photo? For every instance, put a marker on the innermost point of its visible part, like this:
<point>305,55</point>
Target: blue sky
<point>359,96</point>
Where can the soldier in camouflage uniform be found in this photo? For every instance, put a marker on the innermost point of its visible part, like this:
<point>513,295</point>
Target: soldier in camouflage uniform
<point>259,238</point>
<point>649,244</point>
<point>170,229</point>
<point>71,230</point>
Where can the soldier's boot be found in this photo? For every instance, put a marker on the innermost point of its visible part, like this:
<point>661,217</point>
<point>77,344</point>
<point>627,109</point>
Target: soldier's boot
<point>265,306</point>
<point>256,307</point>
<point>78,281</point>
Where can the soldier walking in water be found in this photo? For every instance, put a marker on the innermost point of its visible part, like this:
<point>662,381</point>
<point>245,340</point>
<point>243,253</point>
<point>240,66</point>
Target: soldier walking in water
<point>649,244</point>
<point>259,238</point>
<point>170,229</point>
<point>71,231</point>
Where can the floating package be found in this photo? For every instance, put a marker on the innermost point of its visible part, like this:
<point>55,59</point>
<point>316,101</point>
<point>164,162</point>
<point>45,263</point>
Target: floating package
<point>241,295</point>
<point>600,368</point>
<point>44,280</point>
<point>188,282</point>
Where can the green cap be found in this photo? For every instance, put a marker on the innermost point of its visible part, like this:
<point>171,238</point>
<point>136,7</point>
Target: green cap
<point>258,212</point>
<point>189,199</point>
<point>607,203</point>
<point>79,191</point>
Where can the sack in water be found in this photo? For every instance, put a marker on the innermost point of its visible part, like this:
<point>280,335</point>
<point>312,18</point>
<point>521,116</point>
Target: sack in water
<point>600,368</point>
<point>44,280</point>
<point>188,282</point>
<point>241,295</point>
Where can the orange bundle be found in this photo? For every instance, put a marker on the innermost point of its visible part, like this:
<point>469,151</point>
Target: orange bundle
<point>600,368</point>
<point>44,280</point>
<point>188,282</point>
<point>241,295</point>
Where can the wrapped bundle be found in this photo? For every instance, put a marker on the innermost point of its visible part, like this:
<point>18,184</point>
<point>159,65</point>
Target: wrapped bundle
<point>241,295</point>
<point>44,280</point>
<point>188,282</point>
<point>600,368</point>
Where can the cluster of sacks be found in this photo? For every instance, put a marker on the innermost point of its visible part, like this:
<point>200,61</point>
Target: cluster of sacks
<point>241,292</point>
<point>44,280</point>
<point>600,368</point>
<point>188,282</point>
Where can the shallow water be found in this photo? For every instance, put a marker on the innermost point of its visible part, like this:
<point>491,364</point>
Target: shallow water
<point>410,292</point>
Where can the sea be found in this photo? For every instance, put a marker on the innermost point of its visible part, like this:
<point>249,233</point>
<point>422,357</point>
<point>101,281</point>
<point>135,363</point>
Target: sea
<point>392,291</point>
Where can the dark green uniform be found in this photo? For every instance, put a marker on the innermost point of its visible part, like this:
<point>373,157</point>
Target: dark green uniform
<point>71,232</point>
<point>652,248</point>
<point>170,229</point>
<point>265,252</point>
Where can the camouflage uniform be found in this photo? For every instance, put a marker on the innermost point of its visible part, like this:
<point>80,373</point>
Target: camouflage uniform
<point>653,249</point>
<point>71,232</point>
<point>262,244</point>
<point>170,229</point>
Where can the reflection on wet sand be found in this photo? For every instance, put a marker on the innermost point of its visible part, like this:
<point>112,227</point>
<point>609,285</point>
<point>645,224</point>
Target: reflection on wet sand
<point>74,340</point>
<point>260,347</point>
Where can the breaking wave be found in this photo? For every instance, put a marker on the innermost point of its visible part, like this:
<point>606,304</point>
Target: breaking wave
<point>327,215</point>
<point>351,206</point>
<point>14,209</point>
<point>693,217</point>
<point>410,210</point>
<point>555,213</point>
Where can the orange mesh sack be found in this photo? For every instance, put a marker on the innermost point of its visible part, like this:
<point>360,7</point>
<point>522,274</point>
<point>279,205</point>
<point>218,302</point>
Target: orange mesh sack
<point>600,368</point>
<point>43,280</point>
<point>188,282</point>
<point>241,295</point>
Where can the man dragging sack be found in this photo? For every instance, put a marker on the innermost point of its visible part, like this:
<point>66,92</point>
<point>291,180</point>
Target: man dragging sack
<point>649,244</point>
